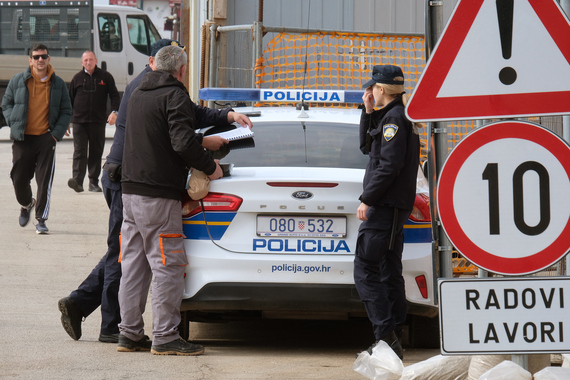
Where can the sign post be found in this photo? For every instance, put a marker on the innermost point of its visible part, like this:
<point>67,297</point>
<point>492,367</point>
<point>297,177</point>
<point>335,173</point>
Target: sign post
<point>500,194</point>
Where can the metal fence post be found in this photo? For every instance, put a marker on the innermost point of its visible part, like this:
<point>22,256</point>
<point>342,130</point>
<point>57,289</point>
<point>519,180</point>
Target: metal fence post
<point>212,75</point>
<point>257,48</point>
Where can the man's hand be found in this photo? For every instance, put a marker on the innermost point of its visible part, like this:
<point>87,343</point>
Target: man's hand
<point>112,118</point>
<point>68,132</point>
<point>361,212</point>
<point>213,142</point>
<point>241,119</point>
<point>218,173</point>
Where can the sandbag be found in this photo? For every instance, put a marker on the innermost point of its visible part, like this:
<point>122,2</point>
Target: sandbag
<point>437,368</point>
<point>383,364</point>
<point>553,373</point>
<point>506,370</point>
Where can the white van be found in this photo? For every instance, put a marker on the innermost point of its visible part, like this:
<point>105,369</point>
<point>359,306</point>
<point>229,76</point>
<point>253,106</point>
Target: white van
<point>121,38</point>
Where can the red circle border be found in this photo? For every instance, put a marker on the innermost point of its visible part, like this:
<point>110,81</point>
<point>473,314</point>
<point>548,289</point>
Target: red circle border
<point>446,184</point>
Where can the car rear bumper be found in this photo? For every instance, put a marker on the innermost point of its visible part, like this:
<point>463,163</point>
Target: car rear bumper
<point>263,296</point>
<point>285,300</point>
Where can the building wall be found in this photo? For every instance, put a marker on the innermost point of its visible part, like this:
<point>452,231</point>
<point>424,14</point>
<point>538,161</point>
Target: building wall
<point>157,10</point>
<point>402,16</point>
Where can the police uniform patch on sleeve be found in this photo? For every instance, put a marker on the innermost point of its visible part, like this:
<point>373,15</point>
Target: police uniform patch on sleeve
<point>390,131</point>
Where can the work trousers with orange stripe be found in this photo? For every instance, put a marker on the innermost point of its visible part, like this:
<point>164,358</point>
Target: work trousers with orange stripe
<point>152,244</point>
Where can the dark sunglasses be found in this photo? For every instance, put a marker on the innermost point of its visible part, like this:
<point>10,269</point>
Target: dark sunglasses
<point>42,56</point>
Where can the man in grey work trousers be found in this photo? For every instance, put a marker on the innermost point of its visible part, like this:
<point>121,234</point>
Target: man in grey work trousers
<point>156,158</point>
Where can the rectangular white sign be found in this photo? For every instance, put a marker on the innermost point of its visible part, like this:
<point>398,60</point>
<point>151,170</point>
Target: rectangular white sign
<point>504,315</point>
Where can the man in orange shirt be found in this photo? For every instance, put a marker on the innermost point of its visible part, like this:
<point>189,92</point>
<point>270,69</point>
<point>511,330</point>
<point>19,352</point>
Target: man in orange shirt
<point>37,108</point>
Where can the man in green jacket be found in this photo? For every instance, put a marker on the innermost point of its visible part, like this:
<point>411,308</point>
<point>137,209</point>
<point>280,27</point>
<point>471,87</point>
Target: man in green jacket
<point>37,108</point>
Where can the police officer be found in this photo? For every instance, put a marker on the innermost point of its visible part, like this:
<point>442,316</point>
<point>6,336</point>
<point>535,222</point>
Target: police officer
<point>389,190</point>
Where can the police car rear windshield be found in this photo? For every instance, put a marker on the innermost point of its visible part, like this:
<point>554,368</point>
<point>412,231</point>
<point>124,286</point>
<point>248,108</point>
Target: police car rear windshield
<point>297,144</point>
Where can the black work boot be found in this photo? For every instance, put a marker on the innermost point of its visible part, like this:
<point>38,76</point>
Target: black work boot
<point>393,342</point>
<point>71,317</point>
<point>129,345</point>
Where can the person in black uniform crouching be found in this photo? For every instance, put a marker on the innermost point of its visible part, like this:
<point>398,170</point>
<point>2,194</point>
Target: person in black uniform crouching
<point>389,190</point>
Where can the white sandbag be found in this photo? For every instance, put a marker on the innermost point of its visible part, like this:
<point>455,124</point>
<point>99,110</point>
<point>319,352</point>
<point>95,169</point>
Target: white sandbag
<point>553,373</point>
<point>482,363</point>
<point>437,368</point>
<point>383,364</point>
<point>565,360</point>
<point>507,370</point>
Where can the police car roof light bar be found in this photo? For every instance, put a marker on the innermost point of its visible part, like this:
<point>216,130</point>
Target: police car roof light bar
<point>281,95</point>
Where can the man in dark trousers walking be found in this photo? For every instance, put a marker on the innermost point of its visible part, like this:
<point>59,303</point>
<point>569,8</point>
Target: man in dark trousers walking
<point>37,108</point>
<point>89,90</point>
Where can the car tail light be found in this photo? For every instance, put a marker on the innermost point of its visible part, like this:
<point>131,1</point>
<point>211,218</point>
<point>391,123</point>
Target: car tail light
<point>421,212</point>
<point>422,285</point>
<point>212,202</point>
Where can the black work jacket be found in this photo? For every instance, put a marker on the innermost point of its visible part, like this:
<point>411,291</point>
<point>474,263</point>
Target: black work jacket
<point>88,94</point>
<point>391,173</point>
<point>160,142</point>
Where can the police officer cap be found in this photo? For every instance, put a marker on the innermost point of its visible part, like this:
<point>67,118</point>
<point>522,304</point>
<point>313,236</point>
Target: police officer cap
<point>162,43</point>
<point>385,74</point>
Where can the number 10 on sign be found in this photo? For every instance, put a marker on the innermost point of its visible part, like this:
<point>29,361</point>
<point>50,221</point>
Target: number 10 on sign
<point>504,197</point>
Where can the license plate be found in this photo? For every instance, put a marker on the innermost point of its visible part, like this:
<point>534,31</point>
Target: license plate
<point>331,226</point>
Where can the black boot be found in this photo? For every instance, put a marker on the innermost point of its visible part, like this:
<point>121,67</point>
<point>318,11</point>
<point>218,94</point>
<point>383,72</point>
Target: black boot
<point>391,340</point>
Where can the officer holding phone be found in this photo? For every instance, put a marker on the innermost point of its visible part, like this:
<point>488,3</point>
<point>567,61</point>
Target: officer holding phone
<point>389,190</point>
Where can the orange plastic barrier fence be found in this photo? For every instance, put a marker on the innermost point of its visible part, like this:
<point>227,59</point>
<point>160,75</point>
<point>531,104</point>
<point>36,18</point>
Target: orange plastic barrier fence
<point>340,60</point>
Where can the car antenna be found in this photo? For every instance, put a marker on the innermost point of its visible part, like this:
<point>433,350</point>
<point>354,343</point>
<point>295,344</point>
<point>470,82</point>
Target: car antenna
<point>304,106</point>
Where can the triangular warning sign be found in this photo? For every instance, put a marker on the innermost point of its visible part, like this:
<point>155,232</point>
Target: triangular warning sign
<point>497,59</point>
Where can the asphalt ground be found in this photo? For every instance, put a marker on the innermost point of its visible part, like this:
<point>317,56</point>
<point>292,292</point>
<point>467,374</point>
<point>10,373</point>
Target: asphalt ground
<point>37,270</point>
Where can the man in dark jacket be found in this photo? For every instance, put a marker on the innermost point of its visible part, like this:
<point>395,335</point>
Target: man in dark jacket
<point>37,108</point>
<point>160,146</point>
<point>101,287</point>
<point>89,90</point>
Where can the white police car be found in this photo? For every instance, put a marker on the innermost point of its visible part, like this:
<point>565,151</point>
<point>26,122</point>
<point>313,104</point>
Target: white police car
<point>276,238</point>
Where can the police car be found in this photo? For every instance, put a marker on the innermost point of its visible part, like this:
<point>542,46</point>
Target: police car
<point>275,238</point>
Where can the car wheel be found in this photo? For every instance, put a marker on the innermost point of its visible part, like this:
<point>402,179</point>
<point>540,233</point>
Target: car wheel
<point>423,332</point>
<point>184,326</point>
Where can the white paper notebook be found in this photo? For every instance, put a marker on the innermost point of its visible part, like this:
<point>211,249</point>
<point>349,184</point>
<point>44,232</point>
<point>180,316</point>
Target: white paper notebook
<point>236,134</point>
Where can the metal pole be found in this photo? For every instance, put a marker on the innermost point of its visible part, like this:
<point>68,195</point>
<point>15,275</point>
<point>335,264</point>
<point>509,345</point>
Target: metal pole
<point>434,28</point>
<point>481,273</point>
<point>212,77</point>
<point>565,5</point>
<point>257,48</point>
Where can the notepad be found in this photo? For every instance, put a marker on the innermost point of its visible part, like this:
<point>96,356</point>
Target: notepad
<point>236,134</point>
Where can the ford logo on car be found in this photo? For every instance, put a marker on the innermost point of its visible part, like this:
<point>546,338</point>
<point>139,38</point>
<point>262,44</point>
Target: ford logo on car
<point>302,195</point>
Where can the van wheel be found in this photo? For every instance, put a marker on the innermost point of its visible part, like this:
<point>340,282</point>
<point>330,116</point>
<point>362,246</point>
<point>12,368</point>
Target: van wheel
<point>423,332</point>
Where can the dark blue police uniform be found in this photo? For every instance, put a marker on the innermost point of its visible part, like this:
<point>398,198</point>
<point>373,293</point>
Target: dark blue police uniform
<point>101,287</point>
<point>389,189</point>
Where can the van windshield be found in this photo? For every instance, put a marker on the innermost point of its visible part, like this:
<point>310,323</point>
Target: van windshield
<point>142,33</point>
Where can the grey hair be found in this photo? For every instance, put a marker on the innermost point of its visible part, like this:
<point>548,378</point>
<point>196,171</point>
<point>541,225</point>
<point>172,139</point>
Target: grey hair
<point>171,59</point>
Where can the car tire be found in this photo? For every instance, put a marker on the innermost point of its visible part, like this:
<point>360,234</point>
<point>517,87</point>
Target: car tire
<point>423,332</point>
<point>184,326</point>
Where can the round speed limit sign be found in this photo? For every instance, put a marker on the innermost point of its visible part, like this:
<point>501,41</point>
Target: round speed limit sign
<point>504,197</point>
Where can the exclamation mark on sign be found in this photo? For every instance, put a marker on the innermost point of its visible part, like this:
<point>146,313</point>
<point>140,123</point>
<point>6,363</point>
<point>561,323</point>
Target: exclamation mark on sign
<point>505,8</point>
